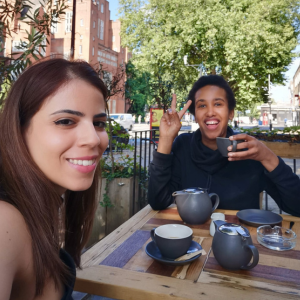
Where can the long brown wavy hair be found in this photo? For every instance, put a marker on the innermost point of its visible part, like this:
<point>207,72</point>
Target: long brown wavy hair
<point>50,219</point>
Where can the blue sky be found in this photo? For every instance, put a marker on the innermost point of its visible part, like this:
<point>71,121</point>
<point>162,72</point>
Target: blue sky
<point>279,93</point>
<point>113,7</point>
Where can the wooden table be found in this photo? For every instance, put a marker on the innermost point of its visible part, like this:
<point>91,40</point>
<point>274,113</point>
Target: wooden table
<point>118,267</point>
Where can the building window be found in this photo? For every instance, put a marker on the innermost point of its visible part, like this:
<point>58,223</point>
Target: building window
<point>81,22</point>
<point>98,30</point>
<point>116,49</point>
<point>54,25</point>
<point>43,48</point>
<point>80,49</point>
<point>114,106</point>
<point>69,21</point>
<point>107,78</point>
<point>17,46</point>
<point>94,24</point>
<point>93,51</point>
<point>102,8</point>
<point>102,30</point>
<point>81,37</point>
<point>93,38</point>
<point>113,39</point>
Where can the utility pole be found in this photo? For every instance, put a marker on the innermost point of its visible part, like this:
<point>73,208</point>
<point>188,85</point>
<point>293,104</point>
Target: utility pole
<point>270,103</point>
<point>73,31</point>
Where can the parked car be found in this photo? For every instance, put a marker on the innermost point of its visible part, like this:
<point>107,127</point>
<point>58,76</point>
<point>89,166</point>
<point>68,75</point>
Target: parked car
<point>124,120</point>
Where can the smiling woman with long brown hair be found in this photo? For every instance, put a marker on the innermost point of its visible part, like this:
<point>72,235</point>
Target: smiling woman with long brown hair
<point>52,135</point>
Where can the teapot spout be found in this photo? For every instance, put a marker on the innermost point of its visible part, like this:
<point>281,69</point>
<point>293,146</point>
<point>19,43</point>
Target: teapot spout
<point>218,223</point>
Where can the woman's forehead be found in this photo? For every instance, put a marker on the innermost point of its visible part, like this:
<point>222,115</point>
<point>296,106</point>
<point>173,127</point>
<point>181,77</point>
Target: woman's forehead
<point>210,92</point>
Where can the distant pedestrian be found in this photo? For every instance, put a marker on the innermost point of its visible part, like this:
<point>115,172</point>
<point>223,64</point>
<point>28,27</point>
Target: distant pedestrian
<point>140,119</point>
<point>147,119</point>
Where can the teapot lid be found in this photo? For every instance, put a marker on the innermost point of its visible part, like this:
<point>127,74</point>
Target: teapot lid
<point>234,229</point>
<point>195,191</point>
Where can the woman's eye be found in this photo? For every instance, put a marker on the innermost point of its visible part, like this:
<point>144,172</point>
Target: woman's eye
<point>218,104</point>
<point>64,122</point>
<point>100,124</point>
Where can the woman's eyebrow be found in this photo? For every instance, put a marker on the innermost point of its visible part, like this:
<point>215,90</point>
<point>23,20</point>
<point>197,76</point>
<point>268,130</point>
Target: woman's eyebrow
<point>100,115</point>
<point>215,99</point>
<point>77,113</point>
<point>69,111</point>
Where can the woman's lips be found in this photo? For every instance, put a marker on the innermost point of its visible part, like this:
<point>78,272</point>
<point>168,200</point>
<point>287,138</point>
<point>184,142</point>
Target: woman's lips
<point>83,164</point>
<point>212,124</point>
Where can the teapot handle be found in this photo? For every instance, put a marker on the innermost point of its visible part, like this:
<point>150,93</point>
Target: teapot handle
<point>255,257</point>
<point>217,201</point>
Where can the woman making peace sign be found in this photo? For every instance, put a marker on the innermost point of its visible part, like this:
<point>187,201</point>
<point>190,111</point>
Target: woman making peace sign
<point>193,160</point>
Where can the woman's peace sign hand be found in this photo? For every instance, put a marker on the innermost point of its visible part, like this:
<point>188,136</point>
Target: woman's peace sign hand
<point>170,126</point>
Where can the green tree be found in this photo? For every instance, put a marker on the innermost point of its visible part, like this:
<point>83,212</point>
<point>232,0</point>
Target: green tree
<point>137,89</point>
<point>242,40</point>
<point>36,39</point>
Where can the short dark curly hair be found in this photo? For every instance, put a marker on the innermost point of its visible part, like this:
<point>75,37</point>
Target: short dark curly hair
<point>215,80</point>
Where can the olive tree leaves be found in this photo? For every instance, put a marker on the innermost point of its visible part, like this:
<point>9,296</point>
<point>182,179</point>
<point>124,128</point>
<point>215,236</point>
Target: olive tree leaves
<point>39,17</point>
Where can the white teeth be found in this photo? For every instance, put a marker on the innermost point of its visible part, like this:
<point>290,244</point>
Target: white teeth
<point>211,122</point>
<point>81,162</point>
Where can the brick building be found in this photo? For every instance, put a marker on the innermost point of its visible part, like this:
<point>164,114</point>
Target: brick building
<point>97,40</point>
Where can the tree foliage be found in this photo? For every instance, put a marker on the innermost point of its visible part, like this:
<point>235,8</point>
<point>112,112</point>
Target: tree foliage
<point>36,39</point>
<point>137,89</point>
<point>242,40</point>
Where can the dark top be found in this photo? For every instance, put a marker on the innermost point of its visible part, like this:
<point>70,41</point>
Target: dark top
<point>69,262</point>
<point>238,183</point>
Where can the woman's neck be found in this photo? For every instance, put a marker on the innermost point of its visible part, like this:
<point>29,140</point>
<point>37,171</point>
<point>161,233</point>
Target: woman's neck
<point>211,144</point>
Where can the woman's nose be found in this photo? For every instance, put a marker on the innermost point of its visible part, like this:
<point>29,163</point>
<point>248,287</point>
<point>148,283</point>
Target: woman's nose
<point>210,110</point>
<point>88,135</point>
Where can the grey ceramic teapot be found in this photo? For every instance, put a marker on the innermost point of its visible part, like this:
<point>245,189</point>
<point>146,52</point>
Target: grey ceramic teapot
<point>232,246</point>
<point>195,205</point>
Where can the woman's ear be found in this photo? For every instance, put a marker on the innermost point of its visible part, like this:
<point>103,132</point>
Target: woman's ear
<point>231,114</point>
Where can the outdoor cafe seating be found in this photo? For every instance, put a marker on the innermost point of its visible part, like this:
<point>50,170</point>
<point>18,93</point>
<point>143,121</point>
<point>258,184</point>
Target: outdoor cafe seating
<point>118,266</point>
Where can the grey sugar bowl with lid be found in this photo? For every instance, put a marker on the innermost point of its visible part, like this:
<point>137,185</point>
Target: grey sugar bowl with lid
<point>232,246</point>
<point>195,205</point>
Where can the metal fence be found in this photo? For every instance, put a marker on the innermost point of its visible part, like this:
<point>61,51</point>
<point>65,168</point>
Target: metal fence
<point>144,143</point>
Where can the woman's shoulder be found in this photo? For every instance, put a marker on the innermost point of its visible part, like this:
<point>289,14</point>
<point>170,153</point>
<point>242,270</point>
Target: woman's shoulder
<point>14,235</point>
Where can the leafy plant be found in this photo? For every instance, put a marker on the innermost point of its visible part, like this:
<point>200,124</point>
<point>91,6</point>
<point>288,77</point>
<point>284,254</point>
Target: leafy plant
<point>38,20</point>
<point>242,40</point>
<point>288,134</point>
